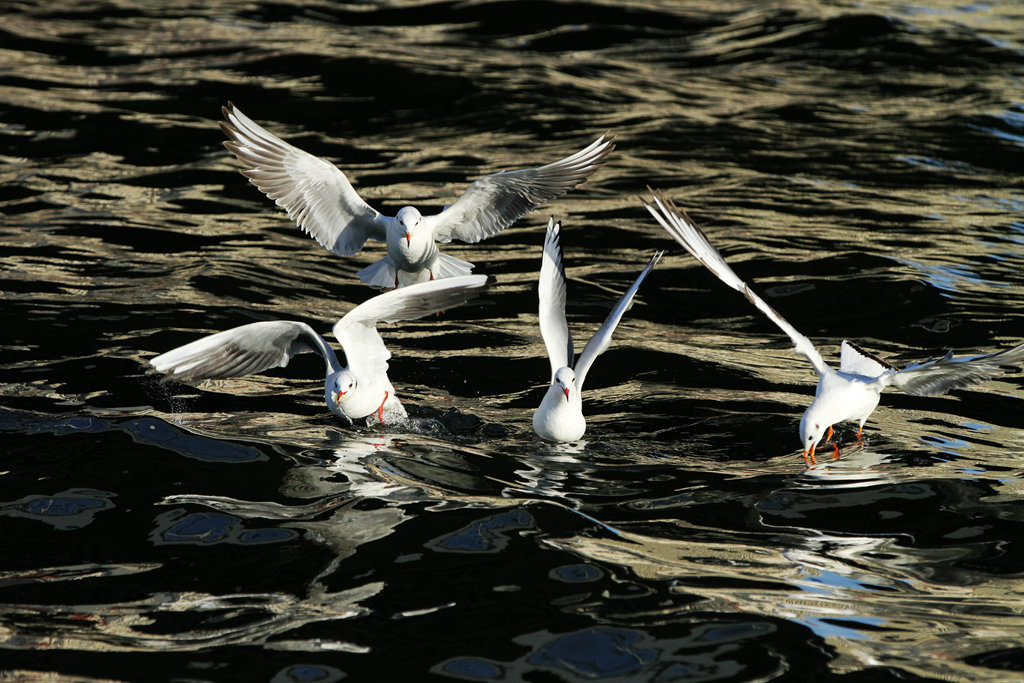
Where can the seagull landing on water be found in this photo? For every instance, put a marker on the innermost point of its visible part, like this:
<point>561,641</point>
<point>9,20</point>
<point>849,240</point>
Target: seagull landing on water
<point>322,201</point>
<point>560,415</point>
<point>353,392</point>
<point>852,392</point>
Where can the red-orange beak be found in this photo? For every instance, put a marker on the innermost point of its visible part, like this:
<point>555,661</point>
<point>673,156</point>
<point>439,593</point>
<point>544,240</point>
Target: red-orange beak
<point>809,456</point>
<point>408,240</point>
<point>566,393</point>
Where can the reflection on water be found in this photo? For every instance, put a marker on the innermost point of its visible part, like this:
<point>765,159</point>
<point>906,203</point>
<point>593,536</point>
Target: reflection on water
<point>859,165</point>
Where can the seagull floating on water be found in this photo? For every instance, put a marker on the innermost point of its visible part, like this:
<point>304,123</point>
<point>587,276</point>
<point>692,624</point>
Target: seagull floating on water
<point>322,201</point>
<point>353,392</point>
<point>852,392</point>
<point>560,415</point>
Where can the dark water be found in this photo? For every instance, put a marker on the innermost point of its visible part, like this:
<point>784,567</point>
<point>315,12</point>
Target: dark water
<point>860,163</point>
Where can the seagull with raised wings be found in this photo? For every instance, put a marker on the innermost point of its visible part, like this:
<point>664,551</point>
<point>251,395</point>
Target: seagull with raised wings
<point>356,391</point>
<point>322,201</point>
<point>560,415</point>
<point>852,392</point>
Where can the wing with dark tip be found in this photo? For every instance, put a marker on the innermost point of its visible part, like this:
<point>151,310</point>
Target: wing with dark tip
<point>856,361</point>
<point>494,202</point>
<point>314,192</point>
<point>243,351</point>
<point>693,239</point>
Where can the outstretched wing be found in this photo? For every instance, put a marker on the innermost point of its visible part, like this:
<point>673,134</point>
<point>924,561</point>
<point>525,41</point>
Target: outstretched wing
<point>693,239</point>
<point>494,202</point>
<point>939,376</point>
<point>856,361</point>
<point>365,353</point>
<point>603,337</point>
<point>551,292</point>
<point>243,350</point>
<point>317,196</point>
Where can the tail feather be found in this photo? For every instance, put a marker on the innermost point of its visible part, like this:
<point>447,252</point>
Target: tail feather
<point>380,274</point>
<point>449,266</point>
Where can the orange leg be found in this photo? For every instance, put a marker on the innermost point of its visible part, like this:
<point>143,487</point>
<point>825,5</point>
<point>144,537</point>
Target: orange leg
<point>809,457</point>
<point>380,409</point>
<point>828,437</point>
<point>396,280</point>
<point>860,431</point>
<point>835,453</point>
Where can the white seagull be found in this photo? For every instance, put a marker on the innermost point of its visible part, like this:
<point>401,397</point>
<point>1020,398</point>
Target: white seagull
<point>560,415</point>
<point>322,201</point>
<point>852,392</point>
<point>353,392</point>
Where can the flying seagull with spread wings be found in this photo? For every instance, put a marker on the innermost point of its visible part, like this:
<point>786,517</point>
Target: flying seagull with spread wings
<point>356,391</point>
<point>852,392</point>
<point>560,415</point>
<point>322,201</point>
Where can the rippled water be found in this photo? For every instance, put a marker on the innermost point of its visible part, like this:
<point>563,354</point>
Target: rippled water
<point>859,163</point>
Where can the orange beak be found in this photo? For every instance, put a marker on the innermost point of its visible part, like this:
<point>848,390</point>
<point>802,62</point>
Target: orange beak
<point>566,393</point>
<point>408,239</point>
<point>809,456</point>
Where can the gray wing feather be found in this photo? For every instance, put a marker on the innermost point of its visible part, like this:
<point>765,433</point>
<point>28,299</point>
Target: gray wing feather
<point>314,192</point>
<point>856,361</point>
<point>494,202</point>
<point>603,337</point>
<point>243,351</point>
<point>551,293</point>
<point>948,373</point>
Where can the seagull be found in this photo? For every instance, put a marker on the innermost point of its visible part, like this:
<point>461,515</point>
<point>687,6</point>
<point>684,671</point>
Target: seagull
<point>322,201</point>
<point>852,392</point>
<point>353,392</point>
<point>560,415</point>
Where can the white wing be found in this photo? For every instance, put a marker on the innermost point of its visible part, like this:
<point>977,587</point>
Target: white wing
<point>243,350</point>
<point>603,337</point>
<point>365,353</point>
<point>939,376</point>
<point>856,361</point>
<point>551,292</point>
<point>317,196</point>
<point>686,232</point>
<point>494,202</point>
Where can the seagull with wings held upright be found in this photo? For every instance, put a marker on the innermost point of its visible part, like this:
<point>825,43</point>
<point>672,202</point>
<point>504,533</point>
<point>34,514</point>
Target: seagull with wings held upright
<point>356,391</point>
<point>852,392</point>
<point>560,415</point>
<point>322,201</point>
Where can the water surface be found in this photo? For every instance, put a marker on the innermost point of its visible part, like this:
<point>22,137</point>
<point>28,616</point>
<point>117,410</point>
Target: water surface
<point>858,163</point>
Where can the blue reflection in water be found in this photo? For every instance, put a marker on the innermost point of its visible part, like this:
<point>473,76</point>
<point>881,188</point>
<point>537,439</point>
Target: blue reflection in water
<point>471,669</point>
<point>835,628</point>
<point>71,509</point>
<point>485,535</point>
<point>208,528</point>
<point>159,433</point>
<point>576,573</point>
<point>599,652</point>
<point>308,673</point>
<point>147,430</point>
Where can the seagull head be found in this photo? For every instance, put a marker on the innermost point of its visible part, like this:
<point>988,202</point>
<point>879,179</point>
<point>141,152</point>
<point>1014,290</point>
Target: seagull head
<point>342,387</point>
<point>408,218</point>
<point>812,428</point>
<point>565,378</point>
